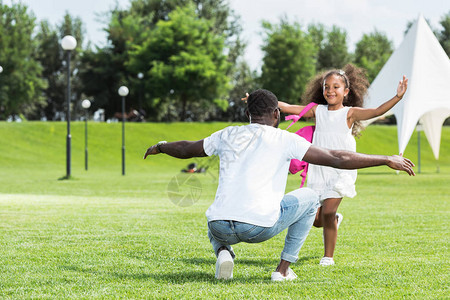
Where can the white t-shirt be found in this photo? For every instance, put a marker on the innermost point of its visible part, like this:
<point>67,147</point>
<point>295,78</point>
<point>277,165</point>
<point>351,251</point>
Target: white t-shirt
<point>254,165</point>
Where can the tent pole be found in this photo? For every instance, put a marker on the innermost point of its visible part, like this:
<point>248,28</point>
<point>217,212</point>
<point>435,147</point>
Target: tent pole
<point>418,149</point>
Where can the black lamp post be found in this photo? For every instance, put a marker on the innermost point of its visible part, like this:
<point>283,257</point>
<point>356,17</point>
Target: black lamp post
<point>140,75</point>
<point>86,104</point>
<point>123,91</point>
<point>68,43</point>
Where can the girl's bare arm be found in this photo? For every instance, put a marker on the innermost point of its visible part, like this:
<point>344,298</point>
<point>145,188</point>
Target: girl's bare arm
<point>296,109</point>
<point>359,113</point>
<point>291,108</point>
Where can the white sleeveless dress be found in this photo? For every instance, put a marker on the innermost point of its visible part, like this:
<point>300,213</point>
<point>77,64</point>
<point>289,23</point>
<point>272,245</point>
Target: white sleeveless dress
<point>332,132</point>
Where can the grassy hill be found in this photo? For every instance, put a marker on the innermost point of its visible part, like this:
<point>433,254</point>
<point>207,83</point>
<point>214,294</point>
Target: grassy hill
<point>33,156</point>
<point>41,145</point>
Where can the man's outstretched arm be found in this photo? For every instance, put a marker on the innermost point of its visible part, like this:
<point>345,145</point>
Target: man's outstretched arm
<point>180,149</point>
<point>341,159</point>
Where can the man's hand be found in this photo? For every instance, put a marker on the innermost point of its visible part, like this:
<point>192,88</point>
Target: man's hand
<point>398,162</point>
<point>402,86</point>
<point>151,151</point>
<point>179,149</point>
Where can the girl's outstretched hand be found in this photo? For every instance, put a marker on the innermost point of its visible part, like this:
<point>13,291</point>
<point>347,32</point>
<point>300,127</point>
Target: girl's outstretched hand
<point>402,86</point>
<point>245,98</point>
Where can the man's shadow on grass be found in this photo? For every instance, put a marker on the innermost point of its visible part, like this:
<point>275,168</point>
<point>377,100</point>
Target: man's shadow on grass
<point>166,276</point>
<point>267,266</point>
<point>268,262</point>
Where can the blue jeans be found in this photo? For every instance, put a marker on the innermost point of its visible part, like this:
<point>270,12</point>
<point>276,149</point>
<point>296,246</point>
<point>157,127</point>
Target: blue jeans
<point>297,213</point>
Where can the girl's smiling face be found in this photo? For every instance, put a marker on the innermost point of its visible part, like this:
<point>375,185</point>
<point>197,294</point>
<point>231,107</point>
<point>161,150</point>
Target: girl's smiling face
<point>334,90</point>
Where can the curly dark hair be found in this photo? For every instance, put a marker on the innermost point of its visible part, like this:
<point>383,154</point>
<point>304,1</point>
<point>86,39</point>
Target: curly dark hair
<point>261,102</point>
<point>354,78</point>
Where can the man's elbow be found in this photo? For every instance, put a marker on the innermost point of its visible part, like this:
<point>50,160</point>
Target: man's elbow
<point>340,159</point>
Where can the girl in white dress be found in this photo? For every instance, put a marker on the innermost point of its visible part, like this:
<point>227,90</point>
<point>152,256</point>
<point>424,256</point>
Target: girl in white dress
<point>339,94</point>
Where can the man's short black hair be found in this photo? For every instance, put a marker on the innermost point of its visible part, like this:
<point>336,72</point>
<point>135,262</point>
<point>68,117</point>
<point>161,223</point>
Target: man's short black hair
<point>261,102</point>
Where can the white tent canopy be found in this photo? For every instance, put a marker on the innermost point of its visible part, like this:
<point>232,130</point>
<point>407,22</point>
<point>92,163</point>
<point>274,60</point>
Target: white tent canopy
<point>424,62</point>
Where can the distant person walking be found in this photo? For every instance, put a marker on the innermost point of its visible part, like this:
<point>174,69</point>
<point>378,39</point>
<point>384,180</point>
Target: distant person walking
<point>250,204</point>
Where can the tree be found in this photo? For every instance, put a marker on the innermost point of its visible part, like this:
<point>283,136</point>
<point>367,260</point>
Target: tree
<point>102,72</point>
<point>182,55</point>
<point>53,59</point>
<point>444,34</point>
<point>333,53</point>
<point>243,80</point>
<point>20,82</point>
<point>128,30</point>
<point>317,33</point>
<point>372,52</point>
<point>225,23</point>
<point>289,60</point>
<point>49,55</point>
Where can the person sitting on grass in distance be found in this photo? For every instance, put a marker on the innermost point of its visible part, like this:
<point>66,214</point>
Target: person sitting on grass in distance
<point>250,205</point>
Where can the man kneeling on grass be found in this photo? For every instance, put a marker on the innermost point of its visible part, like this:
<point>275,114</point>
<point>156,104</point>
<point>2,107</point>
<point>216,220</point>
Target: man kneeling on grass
<point>250,205</point>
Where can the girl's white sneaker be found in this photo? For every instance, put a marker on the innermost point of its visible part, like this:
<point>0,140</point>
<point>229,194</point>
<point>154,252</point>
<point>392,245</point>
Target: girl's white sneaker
<point>276,276</point>
<point>339,218</point>
<point>326,261</point>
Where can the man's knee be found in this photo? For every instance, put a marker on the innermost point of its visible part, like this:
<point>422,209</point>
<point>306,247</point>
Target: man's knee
<point>306,196</point>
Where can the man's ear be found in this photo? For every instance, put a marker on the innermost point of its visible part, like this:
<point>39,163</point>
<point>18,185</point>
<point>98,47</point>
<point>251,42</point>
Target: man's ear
<point>277,113</point>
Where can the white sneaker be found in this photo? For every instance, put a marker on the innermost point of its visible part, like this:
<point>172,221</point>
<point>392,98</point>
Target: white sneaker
<point>339,218</point>
<point>326,261</point>
<point>224,265</point>
<point>276,276</point>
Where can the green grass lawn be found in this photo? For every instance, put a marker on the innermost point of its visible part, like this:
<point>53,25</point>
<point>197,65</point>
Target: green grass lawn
<point>104,235</point>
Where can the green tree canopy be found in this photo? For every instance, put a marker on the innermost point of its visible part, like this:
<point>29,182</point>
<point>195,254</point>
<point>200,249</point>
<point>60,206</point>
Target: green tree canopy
<point>372,52</point>
<point>289,60</point>
<point>50,54</point>
<point>182,55</point>
<point>444,34</point>
<point>21,84</point>
<point>128,30</point>
<point>243,80</point>
<point>333,52</point>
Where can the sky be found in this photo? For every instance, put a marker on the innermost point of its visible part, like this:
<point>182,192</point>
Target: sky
<point>357,17</point>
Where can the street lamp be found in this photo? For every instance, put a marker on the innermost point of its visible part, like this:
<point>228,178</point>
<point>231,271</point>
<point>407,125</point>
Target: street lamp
<point>123,91</point>
<point>140,75</point>
<point>68,43</point>
<point>86,104</point>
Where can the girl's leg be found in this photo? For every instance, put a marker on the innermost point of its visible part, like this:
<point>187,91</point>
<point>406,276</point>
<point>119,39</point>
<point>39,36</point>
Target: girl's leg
<point>329,223</point>
<point>318,220</point>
